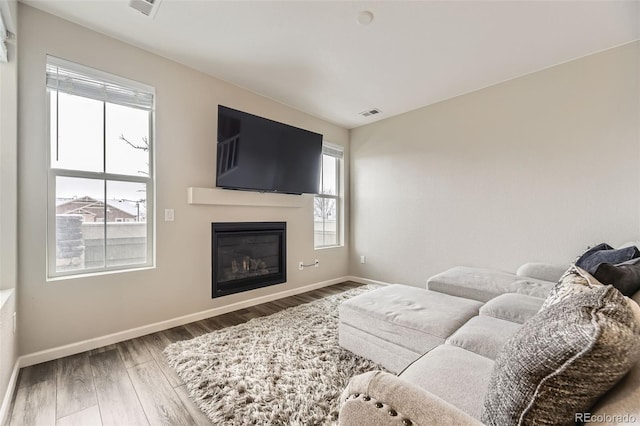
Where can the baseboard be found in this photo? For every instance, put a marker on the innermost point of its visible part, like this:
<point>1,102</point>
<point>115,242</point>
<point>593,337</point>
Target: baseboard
<point>98,342</point>
<point>8,395</point>
<point>360,280</point>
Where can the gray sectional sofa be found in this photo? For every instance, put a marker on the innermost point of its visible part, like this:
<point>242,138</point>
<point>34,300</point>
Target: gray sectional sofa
<point>533,279</point>
<point>440,346</point>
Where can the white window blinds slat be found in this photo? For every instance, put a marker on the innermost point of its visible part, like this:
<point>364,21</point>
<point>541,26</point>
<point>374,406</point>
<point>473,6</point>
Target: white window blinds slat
<point>332,150</point>
<point>78,80</point>
<point>3,37</point>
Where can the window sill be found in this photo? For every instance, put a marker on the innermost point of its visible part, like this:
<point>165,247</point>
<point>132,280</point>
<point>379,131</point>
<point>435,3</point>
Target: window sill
<point>99,273</point>
<point>329,247</point>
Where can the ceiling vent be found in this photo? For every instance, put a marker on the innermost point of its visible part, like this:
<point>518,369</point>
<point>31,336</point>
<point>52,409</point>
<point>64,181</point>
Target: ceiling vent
<point>372,111</point>
<point>146,7</point>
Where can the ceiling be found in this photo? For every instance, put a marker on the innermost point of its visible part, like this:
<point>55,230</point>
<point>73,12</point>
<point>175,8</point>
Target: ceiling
<point>314,55</point>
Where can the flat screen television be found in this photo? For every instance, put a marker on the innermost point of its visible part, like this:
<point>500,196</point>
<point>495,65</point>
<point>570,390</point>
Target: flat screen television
<point>258,154</point>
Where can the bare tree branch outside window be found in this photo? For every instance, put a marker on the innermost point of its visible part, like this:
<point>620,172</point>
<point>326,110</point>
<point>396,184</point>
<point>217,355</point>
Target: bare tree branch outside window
<point>144,147</point>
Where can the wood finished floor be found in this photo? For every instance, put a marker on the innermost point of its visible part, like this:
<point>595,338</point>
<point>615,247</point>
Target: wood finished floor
<point>128,383</point>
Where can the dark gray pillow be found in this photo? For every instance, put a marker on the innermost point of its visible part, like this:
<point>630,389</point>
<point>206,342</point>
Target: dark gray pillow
<point>625,276</point>
<point>604,253</point>
<point>563,359</point>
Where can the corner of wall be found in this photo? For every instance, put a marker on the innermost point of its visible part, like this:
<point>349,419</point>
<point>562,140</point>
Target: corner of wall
<point>8,210</point>
<point>8,352</point>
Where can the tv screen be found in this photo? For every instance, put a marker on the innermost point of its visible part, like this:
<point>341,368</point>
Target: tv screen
<point>258,154</point>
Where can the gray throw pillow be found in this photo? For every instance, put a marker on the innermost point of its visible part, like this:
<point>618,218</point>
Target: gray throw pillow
<point>604,253</point>
<point>575,280</point>
<point>563,359</point>
<point>625,276</point>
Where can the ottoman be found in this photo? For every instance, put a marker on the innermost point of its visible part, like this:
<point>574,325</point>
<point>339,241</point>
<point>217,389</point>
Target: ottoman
<point>395,325</point>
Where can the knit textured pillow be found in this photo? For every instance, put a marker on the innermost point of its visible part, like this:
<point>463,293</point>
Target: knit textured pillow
<point>563,359</point>
<point>575,280</point>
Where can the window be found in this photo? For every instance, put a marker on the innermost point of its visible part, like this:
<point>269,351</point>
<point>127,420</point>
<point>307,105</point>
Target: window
<point>101,184</point>
<point>327,205</point>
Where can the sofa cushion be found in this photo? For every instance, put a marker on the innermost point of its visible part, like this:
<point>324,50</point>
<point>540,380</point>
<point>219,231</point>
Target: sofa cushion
<point>542,271</point>
<point>574,281</point>
<point>411,317</point>
<point>483,335</point>
<point>621,402</point>
<point>367,344</point>
<point>456,375</point>
<point>512,307</point>
<point>485,284</point>
<point>624,399</point>
<point>574,351</point>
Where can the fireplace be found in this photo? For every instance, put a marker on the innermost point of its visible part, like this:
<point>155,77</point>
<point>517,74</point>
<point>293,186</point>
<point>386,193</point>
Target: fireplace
<point>247,255</point>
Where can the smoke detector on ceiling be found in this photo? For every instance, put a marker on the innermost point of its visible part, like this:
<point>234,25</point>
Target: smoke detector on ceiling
<point>369,112</point>
<point>365,17</point>
<point>146,7</point>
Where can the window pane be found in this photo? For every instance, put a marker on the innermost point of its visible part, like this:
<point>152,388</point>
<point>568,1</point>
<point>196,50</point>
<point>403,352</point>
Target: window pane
<point>127,140</point>
<point>325,223</point>
<point>126,223</point>
<point>318,222</point>
<point>330,223</point>
<point>329,183</point>
<point>79,232</point>
<point>318,234</point>
<point>78,142</point>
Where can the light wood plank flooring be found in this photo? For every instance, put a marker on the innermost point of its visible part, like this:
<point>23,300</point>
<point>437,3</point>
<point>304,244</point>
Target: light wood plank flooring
<point>128,383</point>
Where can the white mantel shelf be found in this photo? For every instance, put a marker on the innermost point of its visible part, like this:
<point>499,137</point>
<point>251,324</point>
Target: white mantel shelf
<point>226,197</point>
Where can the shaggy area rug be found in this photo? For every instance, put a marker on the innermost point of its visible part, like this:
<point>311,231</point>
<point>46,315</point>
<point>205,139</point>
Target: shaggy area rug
<point>283,369</point>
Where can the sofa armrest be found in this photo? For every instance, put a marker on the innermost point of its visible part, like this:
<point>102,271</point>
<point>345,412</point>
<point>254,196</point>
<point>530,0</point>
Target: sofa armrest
<point>377,398</point>
<point>542,271</point>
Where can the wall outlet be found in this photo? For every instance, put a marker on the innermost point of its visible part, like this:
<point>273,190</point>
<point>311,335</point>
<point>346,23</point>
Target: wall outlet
<point>316,263</point>
<point>15,323</point>
<point>363,259</point>
<point>300,266</point>
<point>169,215</point>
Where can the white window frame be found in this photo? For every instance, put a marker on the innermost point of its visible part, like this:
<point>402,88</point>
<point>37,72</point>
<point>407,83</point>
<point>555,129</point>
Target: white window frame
<point>114,90</point>
<point>337,152</point>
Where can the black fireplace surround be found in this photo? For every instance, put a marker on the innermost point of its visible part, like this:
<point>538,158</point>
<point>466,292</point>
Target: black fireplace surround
<point>247,255</point>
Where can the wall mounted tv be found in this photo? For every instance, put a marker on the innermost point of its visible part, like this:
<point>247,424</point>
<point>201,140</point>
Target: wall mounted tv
<point>257,154</point>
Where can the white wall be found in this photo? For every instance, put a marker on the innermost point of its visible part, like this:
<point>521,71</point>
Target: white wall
<point>533,169</point>
<point>68,311</point>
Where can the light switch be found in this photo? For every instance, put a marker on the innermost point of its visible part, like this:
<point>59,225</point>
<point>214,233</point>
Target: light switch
<point>168,215</point>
